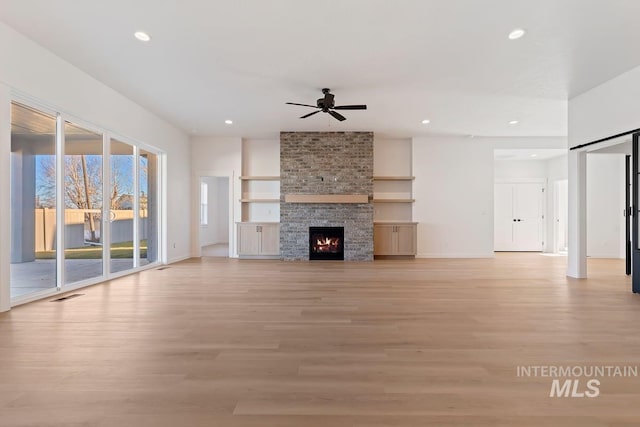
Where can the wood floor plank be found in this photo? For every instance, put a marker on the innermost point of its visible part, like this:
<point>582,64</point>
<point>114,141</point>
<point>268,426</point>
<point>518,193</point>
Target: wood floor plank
<point>252,343</point>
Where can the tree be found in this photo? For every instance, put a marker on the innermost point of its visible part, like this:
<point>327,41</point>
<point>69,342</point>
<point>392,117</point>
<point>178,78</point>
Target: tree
<point>83,184</point>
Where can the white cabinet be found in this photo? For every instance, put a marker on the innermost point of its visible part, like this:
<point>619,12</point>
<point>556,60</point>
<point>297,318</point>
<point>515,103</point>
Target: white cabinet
<point>258,239</point>
<point>395,238</point>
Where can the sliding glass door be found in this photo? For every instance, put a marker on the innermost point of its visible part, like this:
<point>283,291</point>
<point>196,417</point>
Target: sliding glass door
<point>83,205</point>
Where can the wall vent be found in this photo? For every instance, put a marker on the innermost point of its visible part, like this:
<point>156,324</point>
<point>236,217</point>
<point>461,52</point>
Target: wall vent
<point>66,297</point>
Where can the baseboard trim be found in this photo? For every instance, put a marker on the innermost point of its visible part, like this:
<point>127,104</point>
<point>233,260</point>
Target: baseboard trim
<point>456,255</point>
<point>178,259</point>
<point>605,256</point>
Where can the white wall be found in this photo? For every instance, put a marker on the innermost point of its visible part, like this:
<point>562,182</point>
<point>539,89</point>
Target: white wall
<point>605,203</point>
<point>30,71</point>
<point>557,168</point>
<point>454,192</point>
<point>221,157</point>
<point>520,169</point>
<point>606,110</point>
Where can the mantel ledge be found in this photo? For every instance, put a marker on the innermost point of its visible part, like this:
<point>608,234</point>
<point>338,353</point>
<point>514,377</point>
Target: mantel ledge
<point>326,198</point>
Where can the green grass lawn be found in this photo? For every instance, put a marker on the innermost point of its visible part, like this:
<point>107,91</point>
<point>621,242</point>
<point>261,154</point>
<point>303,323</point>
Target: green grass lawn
<point>118,250</point>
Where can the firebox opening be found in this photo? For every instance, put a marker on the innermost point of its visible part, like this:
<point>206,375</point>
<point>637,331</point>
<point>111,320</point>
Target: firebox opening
<point>326,243</point>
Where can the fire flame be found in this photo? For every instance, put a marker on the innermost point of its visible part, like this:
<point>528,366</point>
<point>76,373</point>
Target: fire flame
<point>327,244</point>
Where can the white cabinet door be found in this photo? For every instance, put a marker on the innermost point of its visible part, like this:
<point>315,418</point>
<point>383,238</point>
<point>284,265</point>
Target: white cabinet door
<point>518,216</point>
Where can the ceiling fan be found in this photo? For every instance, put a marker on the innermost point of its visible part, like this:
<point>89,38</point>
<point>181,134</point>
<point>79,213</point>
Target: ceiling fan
<point>327,105</point>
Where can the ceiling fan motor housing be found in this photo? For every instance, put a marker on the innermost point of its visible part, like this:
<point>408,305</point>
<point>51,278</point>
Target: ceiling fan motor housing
<point>326,102</point>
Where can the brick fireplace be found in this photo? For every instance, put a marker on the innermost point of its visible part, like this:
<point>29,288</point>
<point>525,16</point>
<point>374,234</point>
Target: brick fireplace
<point>326,163</point>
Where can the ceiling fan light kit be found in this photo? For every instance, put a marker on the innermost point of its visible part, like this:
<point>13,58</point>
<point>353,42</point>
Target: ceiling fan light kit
<point>326,104</point>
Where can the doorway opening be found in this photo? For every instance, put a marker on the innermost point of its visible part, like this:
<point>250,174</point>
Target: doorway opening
<point>214,216</point>
<point>526,200</point>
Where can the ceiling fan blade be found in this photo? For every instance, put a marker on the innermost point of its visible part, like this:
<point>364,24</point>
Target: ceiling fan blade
<point>302,105</point>
<point>350,107</point>
<point>337,116</point>
<point>310,114</point>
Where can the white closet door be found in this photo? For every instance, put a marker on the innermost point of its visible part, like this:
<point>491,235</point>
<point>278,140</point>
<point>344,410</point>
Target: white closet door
<point>518,222</point>
<point>527,210</point>
<point>503,217</point>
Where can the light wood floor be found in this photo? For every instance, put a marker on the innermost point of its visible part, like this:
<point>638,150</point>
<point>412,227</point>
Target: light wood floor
<point>219,342</point>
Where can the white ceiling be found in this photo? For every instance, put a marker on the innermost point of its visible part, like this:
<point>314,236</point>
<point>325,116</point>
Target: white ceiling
<point>446,60</point>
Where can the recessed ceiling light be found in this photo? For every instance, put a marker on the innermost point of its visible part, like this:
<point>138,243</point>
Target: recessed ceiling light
<point>229,122</point>
<point>534,155</point>
<point>514,122</point>
<point>516,34</point>
<point>142,36</point>
<point>426,121</point>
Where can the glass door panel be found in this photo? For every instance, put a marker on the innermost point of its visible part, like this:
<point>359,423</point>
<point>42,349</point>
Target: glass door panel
<point>122,206</point>
<point>33,201</point>
<point>83,204</point>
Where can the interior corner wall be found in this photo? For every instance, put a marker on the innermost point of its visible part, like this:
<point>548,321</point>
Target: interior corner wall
<point>220,157</point>
<point>453,188</point>
<point>73,92</point>
<point>605,204</point>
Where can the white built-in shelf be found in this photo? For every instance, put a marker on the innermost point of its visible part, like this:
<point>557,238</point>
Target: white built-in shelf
<point>393,200</point>
<point>394,178</point>
<point>259,178</point>
<point>260,200</point>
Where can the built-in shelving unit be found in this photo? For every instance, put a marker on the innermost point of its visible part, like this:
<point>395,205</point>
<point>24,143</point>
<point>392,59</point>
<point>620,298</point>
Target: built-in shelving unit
<point>258,229</point>
<point>394,229</point>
